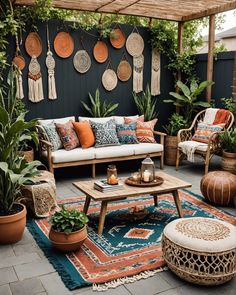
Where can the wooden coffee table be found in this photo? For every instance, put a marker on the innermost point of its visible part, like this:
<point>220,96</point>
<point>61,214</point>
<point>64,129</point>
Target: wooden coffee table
<point>171,185</point>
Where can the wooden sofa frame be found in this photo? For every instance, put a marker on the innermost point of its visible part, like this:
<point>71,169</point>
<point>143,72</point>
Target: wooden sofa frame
<point>46,145</point>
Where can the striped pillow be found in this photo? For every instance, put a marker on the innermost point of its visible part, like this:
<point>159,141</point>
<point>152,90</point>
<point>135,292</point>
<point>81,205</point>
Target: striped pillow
<point>204,131</point>
<point>126,133</point>
<point>144,131</point>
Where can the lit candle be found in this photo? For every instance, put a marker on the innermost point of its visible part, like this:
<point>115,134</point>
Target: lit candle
<point>146,176</point>
<point>113,179</point>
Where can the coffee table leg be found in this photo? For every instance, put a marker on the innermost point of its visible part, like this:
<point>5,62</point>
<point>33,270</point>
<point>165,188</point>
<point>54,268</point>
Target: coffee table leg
<point>155,200</point>
<point>86,204</point>
<point>177,202</point>
<point>102,217</point>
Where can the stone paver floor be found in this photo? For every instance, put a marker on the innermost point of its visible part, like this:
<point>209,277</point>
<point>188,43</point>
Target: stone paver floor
<point>24,270</point>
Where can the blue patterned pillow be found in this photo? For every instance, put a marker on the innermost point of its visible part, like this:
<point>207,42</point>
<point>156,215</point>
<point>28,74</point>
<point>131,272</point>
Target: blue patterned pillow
<point>126,133</point>
<point>53,136</point>
<point>105,133</point>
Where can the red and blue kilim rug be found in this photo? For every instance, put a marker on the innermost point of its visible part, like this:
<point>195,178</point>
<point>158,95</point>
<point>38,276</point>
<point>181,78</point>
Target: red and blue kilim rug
<point>130,247</point>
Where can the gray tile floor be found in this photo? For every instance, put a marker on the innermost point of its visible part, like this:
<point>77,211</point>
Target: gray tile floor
<point>24,270</point>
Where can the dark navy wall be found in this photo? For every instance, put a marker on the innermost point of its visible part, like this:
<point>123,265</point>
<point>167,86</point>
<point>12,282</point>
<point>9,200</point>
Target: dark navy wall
<point>72,87</point>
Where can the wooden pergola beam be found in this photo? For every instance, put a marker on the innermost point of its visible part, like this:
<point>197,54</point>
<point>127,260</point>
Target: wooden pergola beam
<point>210,60</point>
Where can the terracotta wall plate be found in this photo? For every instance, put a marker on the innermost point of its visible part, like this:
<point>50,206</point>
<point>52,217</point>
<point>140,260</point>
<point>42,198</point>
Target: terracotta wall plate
<point>33,44</point>
<point>19,61</point>
<point>100,51</point>
<point>117,38</point>
<point>124,71</point>
<point>63,44</point>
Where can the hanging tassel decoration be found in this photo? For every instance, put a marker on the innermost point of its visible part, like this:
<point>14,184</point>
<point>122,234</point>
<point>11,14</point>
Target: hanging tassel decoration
<point>156,72</point>
<point>19,85</point>
<point>138,63</point>
<point>50,63</point>
<point>35,81</point>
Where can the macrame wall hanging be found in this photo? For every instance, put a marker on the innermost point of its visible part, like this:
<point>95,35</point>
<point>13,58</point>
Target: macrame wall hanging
<point>135,47</point>
<point>50,63</point>
<point>156,72</point>
<point>33,47</point>
<point>19,62</point>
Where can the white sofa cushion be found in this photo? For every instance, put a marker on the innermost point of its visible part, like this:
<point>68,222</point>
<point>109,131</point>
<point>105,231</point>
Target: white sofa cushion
<point>60,120</point>
<point>96,120</point>
<point>78,154</point>
<point>114,151</point>
<point>121,120</point>
<point>145,148</point>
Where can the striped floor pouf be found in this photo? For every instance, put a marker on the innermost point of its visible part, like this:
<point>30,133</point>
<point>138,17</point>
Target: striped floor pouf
<point>219,187</point>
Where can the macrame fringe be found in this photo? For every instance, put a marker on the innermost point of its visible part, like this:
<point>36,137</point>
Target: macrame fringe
<point>137,74</point>
<point>52,93</point>
<point>118,282</point>
<point>35,89</point>
<point>156,73</point>
<point>19,85</point>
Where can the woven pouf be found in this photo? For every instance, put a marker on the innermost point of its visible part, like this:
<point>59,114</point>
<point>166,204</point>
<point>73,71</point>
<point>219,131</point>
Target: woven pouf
<point>200,250</point>
<point>219,187</point>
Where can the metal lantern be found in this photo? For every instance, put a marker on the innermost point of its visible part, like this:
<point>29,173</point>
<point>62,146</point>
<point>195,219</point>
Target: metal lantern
<point>147,170</point>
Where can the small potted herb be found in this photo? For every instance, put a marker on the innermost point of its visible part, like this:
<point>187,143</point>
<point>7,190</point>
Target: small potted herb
<point>68,229</point>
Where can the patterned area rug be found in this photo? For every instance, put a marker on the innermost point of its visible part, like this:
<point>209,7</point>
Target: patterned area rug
<point>129,248</point>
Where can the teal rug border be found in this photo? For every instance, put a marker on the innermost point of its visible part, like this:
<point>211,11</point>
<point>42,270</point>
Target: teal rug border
<point>71,278</point>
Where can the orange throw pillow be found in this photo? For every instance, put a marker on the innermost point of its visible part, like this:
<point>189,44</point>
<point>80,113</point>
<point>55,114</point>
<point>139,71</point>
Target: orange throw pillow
<point>85,134</point>
<point>144,131</point>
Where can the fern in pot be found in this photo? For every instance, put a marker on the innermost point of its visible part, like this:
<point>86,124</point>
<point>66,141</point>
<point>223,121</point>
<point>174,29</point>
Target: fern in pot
<point>68,229</point>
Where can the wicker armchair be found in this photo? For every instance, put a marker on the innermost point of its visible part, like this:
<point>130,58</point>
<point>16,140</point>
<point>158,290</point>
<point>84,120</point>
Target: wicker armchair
<point>213,146</point>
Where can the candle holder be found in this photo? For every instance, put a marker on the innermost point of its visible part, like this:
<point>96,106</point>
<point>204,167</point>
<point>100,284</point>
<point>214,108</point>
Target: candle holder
<point>147,170</point>
<point>112,175</point>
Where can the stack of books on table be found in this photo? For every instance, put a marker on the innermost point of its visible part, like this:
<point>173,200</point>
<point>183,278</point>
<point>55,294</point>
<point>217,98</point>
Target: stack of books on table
<point>102,186</point>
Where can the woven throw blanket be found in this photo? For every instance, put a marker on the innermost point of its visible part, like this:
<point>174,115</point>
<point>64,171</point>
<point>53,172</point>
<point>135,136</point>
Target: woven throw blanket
<point>222,117</point>
<point>189,147</point>
<point>210,115</point>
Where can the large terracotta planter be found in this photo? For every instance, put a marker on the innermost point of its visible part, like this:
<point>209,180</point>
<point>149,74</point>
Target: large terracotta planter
<point>12,227</point>
<point>170,153</point>
<point>228,162</point>
<point>68,242</point>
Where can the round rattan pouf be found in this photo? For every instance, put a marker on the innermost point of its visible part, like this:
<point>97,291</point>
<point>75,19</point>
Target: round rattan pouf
<point>200,250</point>
<point>219,187</point>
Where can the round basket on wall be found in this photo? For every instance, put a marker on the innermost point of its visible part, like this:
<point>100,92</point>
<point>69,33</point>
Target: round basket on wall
<point>63,44</point>
<point>124,71</point>
<point>135,44</point>
<point>117,38</point>
<point>100,52</point>
<point>82,61</point>
<point>109,79</point>
<point>33,44</point>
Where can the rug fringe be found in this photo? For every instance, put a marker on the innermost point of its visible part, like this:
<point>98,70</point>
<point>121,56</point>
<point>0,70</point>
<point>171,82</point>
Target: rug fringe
<point>118,282</point>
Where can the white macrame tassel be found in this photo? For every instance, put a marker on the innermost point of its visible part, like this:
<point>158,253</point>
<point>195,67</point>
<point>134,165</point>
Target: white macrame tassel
<point>35,90</point>
<point>156,72</point>
<point>19,85</point>
<point>52,94</point>
<point>138,62</point>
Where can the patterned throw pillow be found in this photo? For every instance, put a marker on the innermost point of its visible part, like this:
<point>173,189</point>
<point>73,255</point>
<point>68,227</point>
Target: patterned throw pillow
<point>67,135</point>
<point>126,133</point>
<point>105,133</point>
<point>129,120</point>
<point>144,131</point>
<point>53,136</point>
<point>204,131</point>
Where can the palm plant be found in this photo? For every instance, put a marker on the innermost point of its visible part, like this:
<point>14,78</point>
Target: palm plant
<point>145,104</point>
<point>99,108</point>
<point>186,100</point>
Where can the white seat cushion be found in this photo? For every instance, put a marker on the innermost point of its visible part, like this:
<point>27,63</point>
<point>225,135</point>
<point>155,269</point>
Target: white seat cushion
<point>199,146</point>
<point>145,148</point>
<point>114,151</point>
<point>78,154</point>
<point>60,120</point>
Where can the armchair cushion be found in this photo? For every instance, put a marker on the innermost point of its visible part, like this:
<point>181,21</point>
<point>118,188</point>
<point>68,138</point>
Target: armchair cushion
<point>204,131</point>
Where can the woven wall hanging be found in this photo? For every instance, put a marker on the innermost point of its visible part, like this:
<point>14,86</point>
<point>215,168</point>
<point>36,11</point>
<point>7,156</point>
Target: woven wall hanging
<point>82,61</point>
<point>156,72</point>
<point>124,70</point>
<point>35,81</point>
<point>109,78</point>
<point>63,44</point>
<point>50,63</point>
<point>135,43</point>
<point>117,38</point>
<point>138,63</point>
<point>100,51</point>
<point>19,62</point>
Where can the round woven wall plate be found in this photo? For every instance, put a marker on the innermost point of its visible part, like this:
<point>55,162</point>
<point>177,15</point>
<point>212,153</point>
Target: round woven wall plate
<point>63,44</point>
<point>100,51</point>
<point>19,61</point>
<point>109,79</point>
<point>135,44</point>
<point>117,38</point>
<point>124,71</point>
<point>33,44</point>
<point>82,61</point>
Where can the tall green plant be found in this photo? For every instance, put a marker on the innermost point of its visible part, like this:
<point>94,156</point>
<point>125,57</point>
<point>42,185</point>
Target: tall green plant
<point>14,170</point>
<point>186,100</point>
<point>99,108</point>
<point>146,104</point>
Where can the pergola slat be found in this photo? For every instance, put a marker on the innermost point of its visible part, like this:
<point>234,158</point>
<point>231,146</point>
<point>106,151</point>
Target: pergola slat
<point>176,10</point>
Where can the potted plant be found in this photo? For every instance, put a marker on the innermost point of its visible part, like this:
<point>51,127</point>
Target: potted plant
<point>14,170</point>
<point>176,122</point>
<point>228,144</point>
<point>68,229</point>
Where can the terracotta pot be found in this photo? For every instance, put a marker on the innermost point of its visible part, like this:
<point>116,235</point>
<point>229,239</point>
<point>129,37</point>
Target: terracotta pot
<point>228,162</point>
<point>170,153</point>
<point>68,242</point>
<point>12,227</point>
<point>29,154</point>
